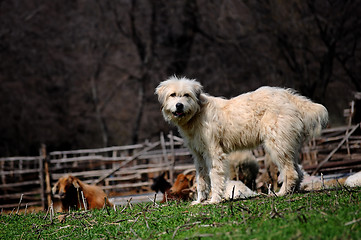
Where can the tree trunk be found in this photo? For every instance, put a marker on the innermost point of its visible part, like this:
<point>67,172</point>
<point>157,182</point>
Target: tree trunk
<point>139,114</point>
<point>98,114</point>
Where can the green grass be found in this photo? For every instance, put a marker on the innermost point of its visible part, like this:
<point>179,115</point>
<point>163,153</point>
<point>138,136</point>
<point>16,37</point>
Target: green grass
<point>319,215</point>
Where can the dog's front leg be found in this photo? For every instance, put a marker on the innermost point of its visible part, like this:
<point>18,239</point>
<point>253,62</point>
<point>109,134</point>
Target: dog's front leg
<point>218,177</point>
<point>202,177</point>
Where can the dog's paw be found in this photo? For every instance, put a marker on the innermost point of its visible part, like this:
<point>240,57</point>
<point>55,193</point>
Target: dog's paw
<point>195,203</point>
<point>209,202</point>
<point>215,199</point>
<point>285,190</point>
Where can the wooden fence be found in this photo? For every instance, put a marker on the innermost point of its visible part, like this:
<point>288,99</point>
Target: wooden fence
<point>337,150</point>
<point>125,170</point>
<point>21,176</point>
<point>120,170</point>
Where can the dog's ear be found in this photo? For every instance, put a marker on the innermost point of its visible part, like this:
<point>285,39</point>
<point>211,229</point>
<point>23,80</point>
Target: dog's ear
<point>75,182</point>
<point>55,188</point>
<point>160,91</point>
<point>190,179</point>
<point>198,88</point>
<point>188,191</point>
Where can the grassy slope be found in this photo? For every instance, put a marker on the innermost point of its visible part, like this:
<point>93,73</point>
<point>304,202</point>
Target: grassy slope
<point>322,215</point>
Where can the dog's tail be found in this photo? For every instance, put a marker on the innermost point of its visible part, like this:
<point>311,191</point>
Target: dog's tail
<point>314,116</point>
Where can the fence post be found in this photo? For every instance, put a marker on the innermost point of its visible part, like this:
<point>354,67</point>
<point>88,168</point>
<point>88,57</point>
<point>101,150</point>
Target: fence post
<point>165,156</point>
<point>41,178</point>
<point>47,188</point>
<point>172,162</point>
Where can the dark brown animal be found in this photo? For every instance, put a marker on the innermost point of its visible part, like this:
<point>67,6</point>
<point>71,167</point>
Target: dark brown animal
<point>243,167</point>
<point>183,188</point>
<point>69,189</point>
<point>162,185</point>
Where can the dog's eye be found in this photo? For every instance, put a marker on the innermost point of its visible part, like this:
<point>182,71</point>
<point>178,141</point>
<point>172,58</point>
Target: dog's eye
<point>173,95</point>
<point>186,95</point>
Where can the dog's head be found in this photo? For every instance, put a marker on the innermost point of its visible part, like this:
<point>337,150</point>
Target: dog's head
<point>182,184</point>
<point>180,99</point>
<point>64,185</point>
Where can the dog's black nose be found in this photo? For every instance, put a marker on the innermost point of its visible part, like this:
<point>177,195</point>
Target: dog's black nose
<point>179,106</point>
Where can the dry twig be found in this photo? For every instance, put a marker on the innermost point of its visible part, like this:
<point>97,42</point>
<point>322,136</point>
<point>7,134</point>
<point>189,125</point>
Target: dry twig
<point>84,201</point>
<point>353,221</point>
<point>185,225</point>
<point>21,198</point>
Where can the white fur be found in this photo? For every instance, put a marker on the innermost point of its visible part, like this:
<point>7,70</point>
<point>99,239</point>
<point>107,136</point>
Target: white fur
<point>241,191</point>
<point>354,180</point>
<point>212,127</point>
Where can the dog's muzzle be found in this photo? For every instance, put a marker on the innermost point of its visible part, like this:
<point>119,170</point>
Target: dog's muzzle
<point>179,112</point>
<point>61,195</point>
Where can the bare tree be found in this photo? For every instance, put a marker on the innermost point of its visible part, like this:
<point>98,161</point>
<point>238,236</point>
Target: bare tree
<point>81,74</point>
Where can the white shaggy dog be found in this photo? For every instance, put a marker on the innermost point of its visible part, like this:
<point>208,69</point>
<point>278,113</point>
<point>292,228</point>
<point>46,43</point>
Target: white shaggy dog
<point>212,127</point>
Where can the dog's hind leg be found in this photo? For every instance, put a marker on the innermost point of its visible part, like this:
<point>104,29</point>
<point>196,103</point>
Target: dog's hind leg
<point>287,164</point>
<point>291,180</point>
<point>282,138</point>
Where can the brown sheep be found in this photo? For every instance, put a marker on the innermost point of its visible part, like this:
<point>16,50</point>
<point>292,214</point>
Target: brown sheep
<point>69,190</point>
<point>183,188</point>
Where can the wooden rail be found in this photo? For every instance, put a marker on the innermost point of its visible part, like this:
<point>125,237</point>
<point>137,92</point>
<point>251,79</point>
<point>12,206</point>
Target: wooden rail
<point>118,169</point>
<point>21,175</point>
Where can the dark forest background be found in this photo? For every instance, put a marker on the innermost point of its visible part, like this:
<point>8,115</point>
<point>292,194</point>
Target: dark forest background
<point>81,73</point>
